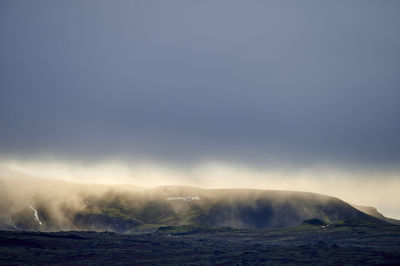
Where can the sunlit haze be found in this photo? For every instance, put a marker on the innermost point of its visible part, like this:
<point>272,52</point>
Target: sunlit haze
<point>366,188</point>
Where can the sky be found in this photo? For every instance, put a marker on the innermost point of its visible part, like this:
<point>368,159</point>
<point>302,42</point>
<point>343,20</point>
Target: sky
<point>271,92</point>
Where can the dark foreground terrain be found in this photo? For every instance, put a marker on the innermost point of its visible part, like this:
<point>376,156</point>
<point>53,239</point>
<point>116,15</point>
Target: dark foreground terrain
<point>348,242</point>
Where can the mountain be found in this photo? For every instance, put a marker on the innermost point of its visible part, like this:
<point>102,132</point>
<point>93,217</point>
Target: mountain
<point>374,212</point>
<point>29,203</point>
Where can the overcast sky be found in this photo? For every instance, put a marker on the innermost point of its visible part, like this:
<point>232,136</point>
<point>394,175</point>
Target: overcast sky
<point>258,82</point>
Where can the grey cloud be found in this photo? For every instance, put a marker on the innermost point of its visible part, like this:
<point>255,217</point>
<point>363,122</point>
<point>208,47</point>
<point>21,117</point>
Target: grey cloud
<point>259,81</point>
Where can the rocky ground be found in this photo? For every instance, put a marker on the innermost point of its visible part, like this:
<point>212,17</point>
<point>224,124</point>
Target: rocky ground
<point>348,242</point>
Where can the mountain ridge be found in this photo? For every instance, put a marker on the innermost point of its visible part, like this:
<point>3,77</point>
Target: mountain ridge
<point>51,205</point>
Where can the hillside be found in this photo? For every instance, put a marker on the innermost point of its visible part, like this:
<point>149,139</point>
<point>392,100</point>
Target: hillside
<point>29,203</point>
<point>374,212</point>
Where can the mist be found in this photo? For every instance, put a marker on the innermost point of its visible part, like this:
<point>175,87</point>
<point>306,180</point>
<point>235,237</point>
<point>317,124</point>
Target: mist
<point>368,188</point>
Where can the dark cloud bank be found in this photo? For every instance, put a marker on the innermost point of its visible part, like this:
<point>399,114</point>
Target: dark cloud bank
<point>259,81</point>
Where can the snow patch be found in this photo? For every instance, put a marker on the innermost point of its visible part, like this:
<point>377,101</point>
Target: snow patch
<point>188,198</point>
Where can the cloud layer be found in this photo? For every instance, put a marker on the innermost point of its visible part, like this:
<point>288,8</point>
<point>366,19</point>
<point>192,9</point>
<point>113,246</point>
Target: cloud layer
<point>263,82</point>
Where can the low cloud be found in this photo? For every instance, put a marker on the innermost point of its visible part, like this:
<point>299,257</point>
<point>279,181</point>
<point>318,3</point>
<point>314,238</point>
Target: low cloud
<point>356,186</point>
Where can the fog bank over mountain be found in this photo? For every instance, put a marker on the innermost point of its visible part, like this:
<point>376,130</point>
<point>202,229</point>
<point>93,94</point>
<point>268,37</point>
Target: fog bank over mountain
<point>368,188</point>
<point>29,203</point>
